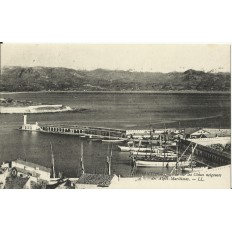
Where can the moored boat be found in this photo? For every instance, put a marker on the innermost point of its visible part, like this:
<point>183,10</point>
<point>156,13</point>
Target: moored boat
<point>155,153</point>
<point>161,163</point>
<point>135,149</point>
<point>194,169</point>
<point>113,140</point>
<point>149,161</point>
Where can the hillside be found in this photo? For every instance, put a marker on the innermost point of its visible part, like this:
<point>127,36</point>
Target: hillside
<point>55,79</point>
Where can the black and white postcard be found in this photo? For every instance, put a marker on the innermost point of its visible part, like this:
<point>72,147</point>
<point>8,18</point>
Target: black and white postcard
<point>77,116</point>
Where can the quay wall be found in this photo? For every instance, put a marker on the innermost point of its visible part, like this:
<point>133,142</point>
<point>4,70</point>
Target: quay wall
<point>204,154</point>
<point>92,132</point>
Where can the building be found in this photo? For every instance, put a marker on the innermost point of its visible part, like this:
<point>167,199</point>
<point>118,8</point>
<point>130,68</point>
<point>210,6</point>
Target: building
<point>25,168</point>
<point>30,127</point>
<point>218,132</point>
<point>20,174</point>
<point>208,136</point>
<point>212,140</point>
<point>193,133</point>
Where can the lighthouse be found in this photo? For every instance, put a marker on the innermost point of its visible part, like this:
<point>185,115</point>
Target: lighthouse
<point>24,119</point>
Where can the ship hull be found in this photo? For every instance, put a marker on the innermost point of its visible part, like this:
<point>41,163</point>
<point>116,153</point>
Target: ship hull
<point>154,154</point>
<point>134,149</point>
<point>143,163</point>
<point>145,150</point>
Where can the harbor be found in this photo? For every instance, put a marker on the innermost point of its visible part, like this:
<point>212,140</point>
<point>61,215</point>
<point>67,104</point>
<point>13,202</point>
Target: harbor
<point>150,156</point>
<point>105,125</point>
<point>100,130</point>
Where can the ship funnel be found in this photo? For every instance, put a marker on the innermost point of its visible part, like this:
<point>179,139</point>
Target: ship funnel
<point>24,119</point>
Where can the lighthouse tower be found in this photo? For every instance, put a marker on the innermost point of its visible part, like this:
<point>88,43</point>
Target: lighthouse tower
<point>29,127</point>
<point>24,119</point>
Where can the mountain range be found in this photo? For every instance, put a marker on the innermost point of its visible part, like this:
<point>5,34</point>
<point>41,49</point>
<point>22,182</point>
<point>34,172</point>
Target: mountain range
<point>14,78</point>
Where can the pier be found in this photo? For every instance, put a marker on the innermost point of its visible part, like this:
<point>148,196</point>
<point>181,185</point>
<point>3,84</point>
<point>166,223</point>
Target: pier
<point>202,153</point>
<point>85,131</point>
<point>91,132</point>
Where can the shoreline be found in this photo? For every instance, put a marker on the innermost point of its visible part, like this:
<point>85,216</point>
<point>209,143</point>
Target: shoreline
<point>34,109</point>
<point>126,92</point>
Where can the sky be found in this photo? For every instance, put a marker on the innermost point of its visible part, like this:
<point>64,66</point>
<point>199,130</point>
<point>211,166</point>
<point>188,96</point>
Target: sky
<point>145,58</point>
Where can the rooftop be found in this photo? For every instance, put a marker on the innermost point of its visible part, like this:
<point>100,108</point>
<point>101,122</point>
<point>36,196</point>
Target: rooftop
<point>96,179</point>
<point>212,131</point>
<point>15,182</point>
<point>218,131</point>
<point>191,130</point>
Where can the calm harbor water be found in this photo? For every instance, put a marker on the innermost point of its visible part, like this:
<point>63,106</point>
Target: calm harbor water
<point>118,110</point>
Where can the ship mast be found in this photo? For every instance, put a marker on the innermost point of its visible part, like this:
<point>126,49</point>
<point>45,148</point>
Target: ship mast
<point>108,160</point>
<point>53,163</point>
<point>82,161</point>
<point>179,158</point>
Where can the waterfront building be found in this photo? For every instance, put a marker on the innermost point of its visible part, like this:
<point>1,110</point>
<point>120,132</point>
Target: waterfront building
<point>30,127</point>
<point>212,140</point>
<point>192,133</point>
<point>25,168</point>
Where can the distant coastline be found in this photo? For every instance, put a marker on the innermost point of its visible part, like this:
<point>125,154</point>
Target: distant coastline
<point>124,92</point>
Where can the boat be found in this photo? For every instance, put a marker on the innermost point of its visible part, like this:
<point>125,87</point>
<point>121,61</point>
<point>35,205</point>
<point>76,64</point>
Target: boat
<point>151,161</point>
<point>113,140</point>
<point>94,140</point>
<point>194,169</point>
<point>161,163</point>
<point>134,149</point>
<point>154,153</point>
<point>131,146</point>
<point>54,183</point>
<point>157,159</point>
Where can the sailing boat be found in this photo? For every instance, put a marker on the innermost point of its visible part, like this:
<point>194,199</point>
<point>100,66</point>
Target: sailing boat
<point>155,151</point>
<point>159,152</point>
<point>130,147</point>
<point>153,161</point>
<point>54,182</point>
<point>140,147</point>
<point>113,140</point>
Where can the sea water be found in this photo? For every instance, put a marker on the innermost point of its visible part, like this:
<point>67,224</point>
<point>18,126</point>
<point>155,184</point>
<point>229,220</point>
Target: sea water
<point>115,110</point>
